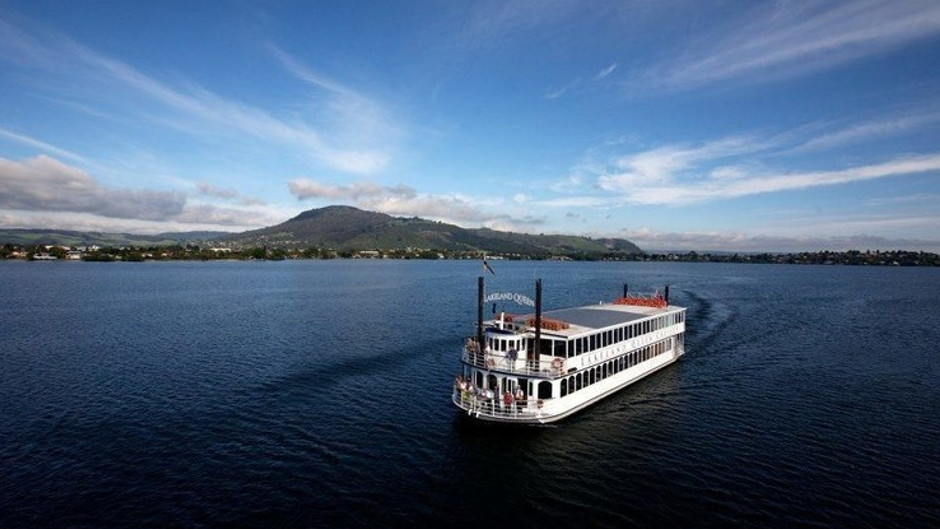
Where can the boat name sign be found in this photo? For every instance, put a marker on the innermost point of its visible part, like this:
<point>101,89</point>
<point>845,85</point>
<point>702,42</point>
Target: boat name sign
<point>510,296</point>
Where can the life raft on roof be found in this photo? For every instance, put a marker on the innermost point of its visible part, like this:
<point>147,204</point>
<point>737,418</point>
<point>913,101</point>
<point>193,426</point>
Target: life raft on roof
<point>551,325</point>
<point>655,301</point>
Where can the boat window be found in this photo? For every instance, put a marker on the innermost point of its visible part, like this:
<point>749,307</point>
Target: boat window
<point>545,390</point>
<point>593,343</point>
<point>578,381</point>
<point>564,387</point>
<point>592,375</point>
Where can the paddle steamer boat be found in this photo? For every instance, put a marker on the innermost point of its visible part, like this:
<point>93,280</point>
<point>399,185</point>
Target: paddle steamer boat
<point>540,368</point>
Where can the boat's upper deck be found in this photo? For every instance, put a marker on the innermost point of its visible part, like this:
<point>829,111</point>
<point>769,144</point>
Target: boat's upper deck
<point>586,319</point>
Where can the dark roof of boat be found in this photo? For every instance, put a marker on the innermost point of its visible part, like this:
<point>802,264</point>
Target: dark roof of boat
<point>588,318</point>
<point>593,318</point>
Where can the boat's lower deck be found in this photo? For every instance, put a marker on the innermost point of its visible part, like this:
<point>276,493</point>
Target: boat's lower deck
<point>485,402</point>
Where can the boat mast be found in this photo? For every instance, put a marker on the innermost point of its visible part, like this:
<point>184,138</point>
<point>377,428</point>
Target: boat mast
<point>536,349</point>
<point>480,313</point>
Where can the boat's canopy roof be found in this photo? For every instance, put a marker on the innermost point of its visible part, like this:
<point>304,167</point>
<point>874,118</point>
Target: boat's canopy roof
<point>594,317</point>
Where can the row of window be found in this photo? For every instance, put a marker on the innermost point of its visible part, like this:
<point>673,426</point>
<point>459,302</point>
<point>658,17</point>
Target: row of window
<point>595,374</point>
<point>581,379</point>
<point>608,337</point>
<point>593,342</point>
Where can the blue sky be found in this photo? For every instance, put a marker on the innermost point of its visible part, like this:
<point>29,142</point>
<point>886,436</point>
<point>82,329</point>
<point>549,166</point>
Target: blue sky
<point>754,126</point>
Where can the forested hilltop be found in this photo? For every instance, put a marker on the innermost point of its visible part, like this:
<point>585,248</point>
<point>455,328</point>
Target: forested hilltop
<point>347,232</point>
<point>342,231</point>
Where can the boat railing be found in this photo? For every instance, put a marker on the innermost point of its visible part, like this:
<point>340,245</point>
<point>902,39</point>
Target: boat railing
<point>476,404</point>
<point>552,367</point>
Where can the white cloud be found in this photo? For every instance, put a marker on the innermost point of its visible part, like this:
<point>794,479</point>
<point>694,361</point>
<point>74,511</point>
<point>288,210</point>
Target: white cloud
<point>303,189</point>
<point>655,241</point>
<point>700,190</point>
<point>490,23</point>
<point>351,138</point>
<point>605,72</point>
<point>226,193</point>
<point>232,218</point>
<point>661,165</point>
<point>744,165</point>
<point>208,189</point>
<point>45,188</point>
<point>556,93</point>
<point>402,200</point>
<point>42,146</point>
<point>781,39</point>
<point>874,129</point>
<point>43,183</point>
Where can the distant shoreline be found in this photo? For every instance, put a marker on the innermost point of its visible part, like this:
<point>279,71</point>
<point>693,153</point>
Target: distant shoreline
<point>195,253</point>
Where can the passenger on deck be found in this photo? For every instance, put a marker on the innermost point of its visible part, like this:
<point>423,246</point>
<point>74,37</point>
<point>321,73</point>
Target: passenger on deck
<point>507,400</point>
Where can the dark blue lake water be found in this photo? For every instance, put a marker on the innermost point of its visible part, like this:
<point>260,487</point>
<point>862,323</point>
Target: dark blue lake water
<point>316,394</point>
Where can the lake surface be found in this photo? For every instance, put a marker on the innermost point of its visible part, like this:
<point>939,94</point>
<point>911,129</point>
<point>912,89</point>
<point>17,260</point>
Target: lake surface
<point>316,394</point>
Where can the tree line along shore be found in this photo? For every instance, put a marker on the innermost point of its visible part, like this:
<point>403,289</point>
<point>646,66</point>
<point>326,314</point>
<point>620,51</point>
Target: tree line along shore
<point>194,252</point>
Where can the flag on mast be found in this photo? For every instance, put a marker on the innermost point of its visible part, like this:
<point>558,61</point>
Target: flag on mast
<point>486,266</point>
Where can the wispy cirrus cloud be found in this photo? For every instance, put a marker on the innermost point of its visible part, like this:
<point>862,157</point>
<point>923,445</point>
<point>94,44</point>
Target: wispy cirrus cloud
<point>42,146</point>
<point>660,165</point>
<point>752,163</point>
<point>104,81</point>
<point>662,180</point>
<point>490,23</point>
<point>577,83</point>
<point>881,127</point>
<point>785,39</point>
<point>605,72</point>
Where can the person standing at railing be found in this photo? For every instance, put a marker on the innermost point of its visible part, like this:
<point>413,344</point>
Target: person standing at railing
<point>507,400</point>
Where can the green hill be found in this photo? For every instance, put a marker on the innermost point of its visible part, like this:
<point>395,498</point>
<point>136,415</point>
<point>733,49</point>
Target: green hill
<point>348,228</point>
<point>344,228</point>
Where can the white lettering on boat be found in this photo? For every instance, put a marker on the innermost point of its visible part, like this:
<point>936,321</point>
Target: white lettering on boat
<point>510,296</point>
